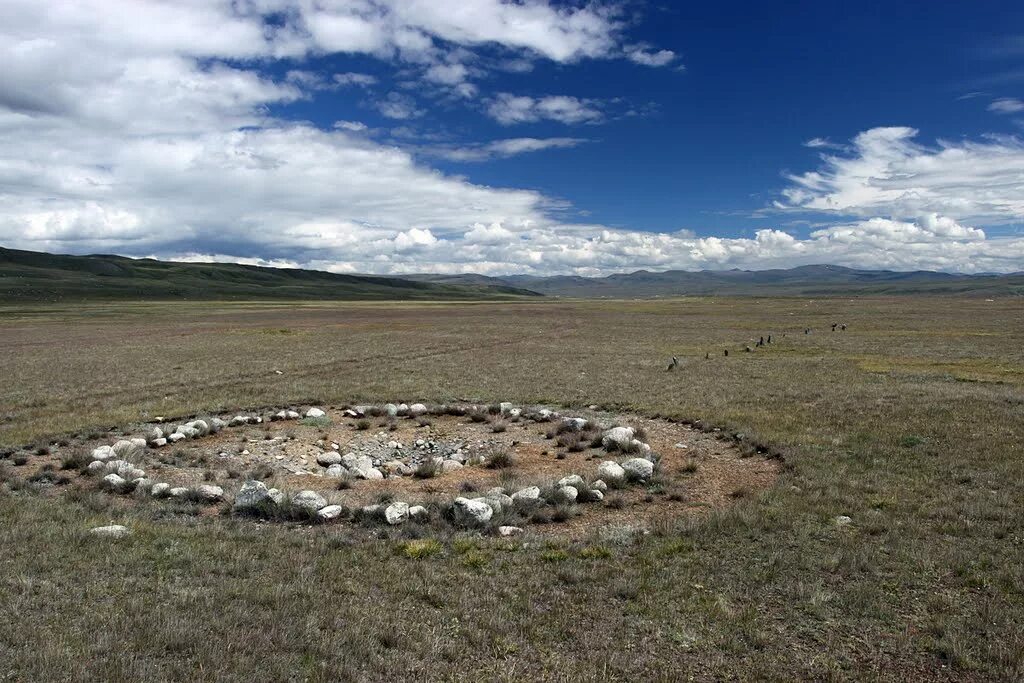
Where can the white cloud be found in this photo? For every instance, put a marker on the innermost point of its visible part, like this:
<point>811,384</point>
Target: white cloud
<point>354,78</point>
<point>498,148</point>
<point>124,128</point>
<point>508,109</point>
<point>1007,105</point>
<point>886,173</point>
<point>642,54</point>
<point>399,106</point>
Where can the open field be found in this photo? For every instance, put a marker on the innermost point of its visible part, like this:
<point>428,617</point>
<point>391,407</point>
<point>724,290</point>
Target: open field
<point>911,423</point>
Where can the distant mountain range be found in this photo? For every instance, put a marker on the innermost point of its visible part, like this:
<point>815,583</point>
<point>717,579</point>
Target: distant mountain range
<point>27,276</point>
<point>817,280</point>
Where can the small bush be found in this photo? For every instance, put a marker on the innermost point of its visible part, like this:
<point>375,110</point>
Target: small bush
<point>595,552</point>
<point>689,467</point>
<point>261,472</point>
<point>49,477</point>
<point>554,555</point>
<point>362,425</point>
<point>563,513</point>
<point>427,470</point>
<point>20,459</point>
<point>467,487</point>
<point>77,460</point>
<point>421,549</point>
<point>499,427</point>
<point>615,502</point>
<point>424,421</point>
<point>322,422</point>
<point>42,449</point>
<point>479,416</point>
<point>500,460</point>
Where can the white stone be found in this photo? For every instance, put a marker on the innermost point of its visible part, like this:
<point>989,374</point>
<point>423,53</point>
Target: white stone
<point>209,493</point>
<point>504,407</point>
<point>638,468</point>
<point>417,409</point>
<point>596,495</point>
<point>371,474</point>
<point>472,511</point>
<point>311,501</point>
<point>567,494</point>
<point>97,466</point>
<point>292,415</point>
<point>238,421</point>
<point>531,494</point>
<point>161,490</point>
<point>142,487</point>
<point>577,422</point>
<point>114,482</point>
<point>124,448</point>
<point>103,453</point>
<point>178,492</point>
<point>396,513</point>
<point>112,531</point>
<point>158,443</point>
<point>574,480</point>
<point>156,433</point>
<point>390,409</point>
<point>328,458</point>
<point>279,415</point>
<point>217,424</point>
<point>176,437</point>
<point>843,520</point>
<point>609,470</point>
<point>599,485</point>
<point>417,512</point>
<point>403,409</point>
<point>329,512</point>
<point>618,437</point>
<point>337,471</point>
<point>450,465</point>
<point>315,412</point>
<point>138,443</point>
<point>507,531</point>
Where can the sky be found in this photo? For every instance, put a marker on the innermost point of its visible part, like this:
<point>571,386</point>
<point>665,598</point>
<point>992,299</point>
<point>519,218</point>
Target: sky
<point>538,137</point>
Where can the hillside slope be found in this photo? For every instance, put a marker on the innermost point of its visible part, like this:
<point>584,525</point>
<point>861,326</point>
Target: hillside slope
<point>27,276</point>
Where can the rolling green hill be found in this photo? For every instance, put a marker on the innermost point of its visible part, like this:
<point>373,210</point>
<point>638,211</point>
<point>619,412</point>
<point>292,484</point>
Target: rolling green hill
<point>27,276</point>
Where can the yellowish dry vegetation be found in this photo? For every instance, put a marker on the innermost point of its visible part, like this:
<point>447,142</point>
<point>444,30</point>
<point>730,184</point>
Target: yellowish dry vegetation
<point>910,423</point>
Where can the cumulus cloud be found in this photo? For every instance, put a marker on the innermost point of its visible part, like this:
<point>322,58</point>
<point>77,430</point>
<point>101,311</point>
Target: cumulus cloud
<point>398,106</point>
<point>508,109</point>
<point>142,128</point>
<point>643,54</point>
<point>886,173</point>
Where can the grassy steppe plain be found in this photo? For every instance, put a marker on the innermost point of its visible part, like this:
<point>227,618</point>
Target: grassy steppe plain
<point>910,422</point>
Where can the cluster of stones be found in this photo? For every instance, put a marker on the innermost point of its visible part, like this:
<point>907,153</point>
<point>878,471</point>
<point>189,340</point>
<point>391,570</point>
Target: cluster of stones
<point>119,475</point>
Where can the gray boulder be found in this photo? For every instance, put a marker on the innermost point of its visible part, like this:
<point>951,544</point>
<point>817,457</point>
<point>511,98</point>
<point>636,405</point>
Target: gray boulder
<point>315,412</point>
<point>609,470</point>
<point>396,513</point>
<point>209,493</point>
<point>574,480</point>
<point>307,500</point>
<point>328,458</point>
<point>638,469</point>
<point>527,496</point>
<point>620,438</point>
<point>329,512</point>
<point>472,512</point>
<point>417,409</point>
<point>254,495</point>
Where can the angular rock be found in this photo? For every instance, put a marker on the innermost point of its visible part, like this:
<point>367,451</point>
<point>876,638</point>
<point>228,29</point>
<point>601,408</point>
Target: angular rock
<point>574,480</point>
<point>618,437</point>
<point>115,483</point>
<point>161,490</point>
<point>418,512</point>
<point>158,443</point>
<point>609,470</point>
<point>599,485</point>
<point>638,469</point>
<point>179,492</point>
<point>328,458</point>
<point>507,531</point>
<point>307,500</point>
<point>396,513</point>
<point>103,453</point>
<point>337,471</point>
<point>176,437</point>
<point>315,412</point>
<point>567,494</point>
<point>527,496</point>
<point>451,465</point>
<point>96,466</point>
<point>329,512</point>
<point>209,493</point>
<point>596,496</point>
<point>155,433</point>
<point>255,494</point>
<point>470,511</point>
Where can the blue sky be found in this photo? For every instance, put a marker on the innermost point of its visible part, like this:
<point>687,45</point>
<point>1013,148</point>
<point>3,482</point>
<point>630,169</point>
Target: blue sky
<point>541,137</point>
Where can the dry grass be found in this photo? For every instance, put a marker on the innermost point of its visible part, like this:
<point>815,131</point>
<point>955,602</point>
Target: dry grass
<point>926,457</point>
